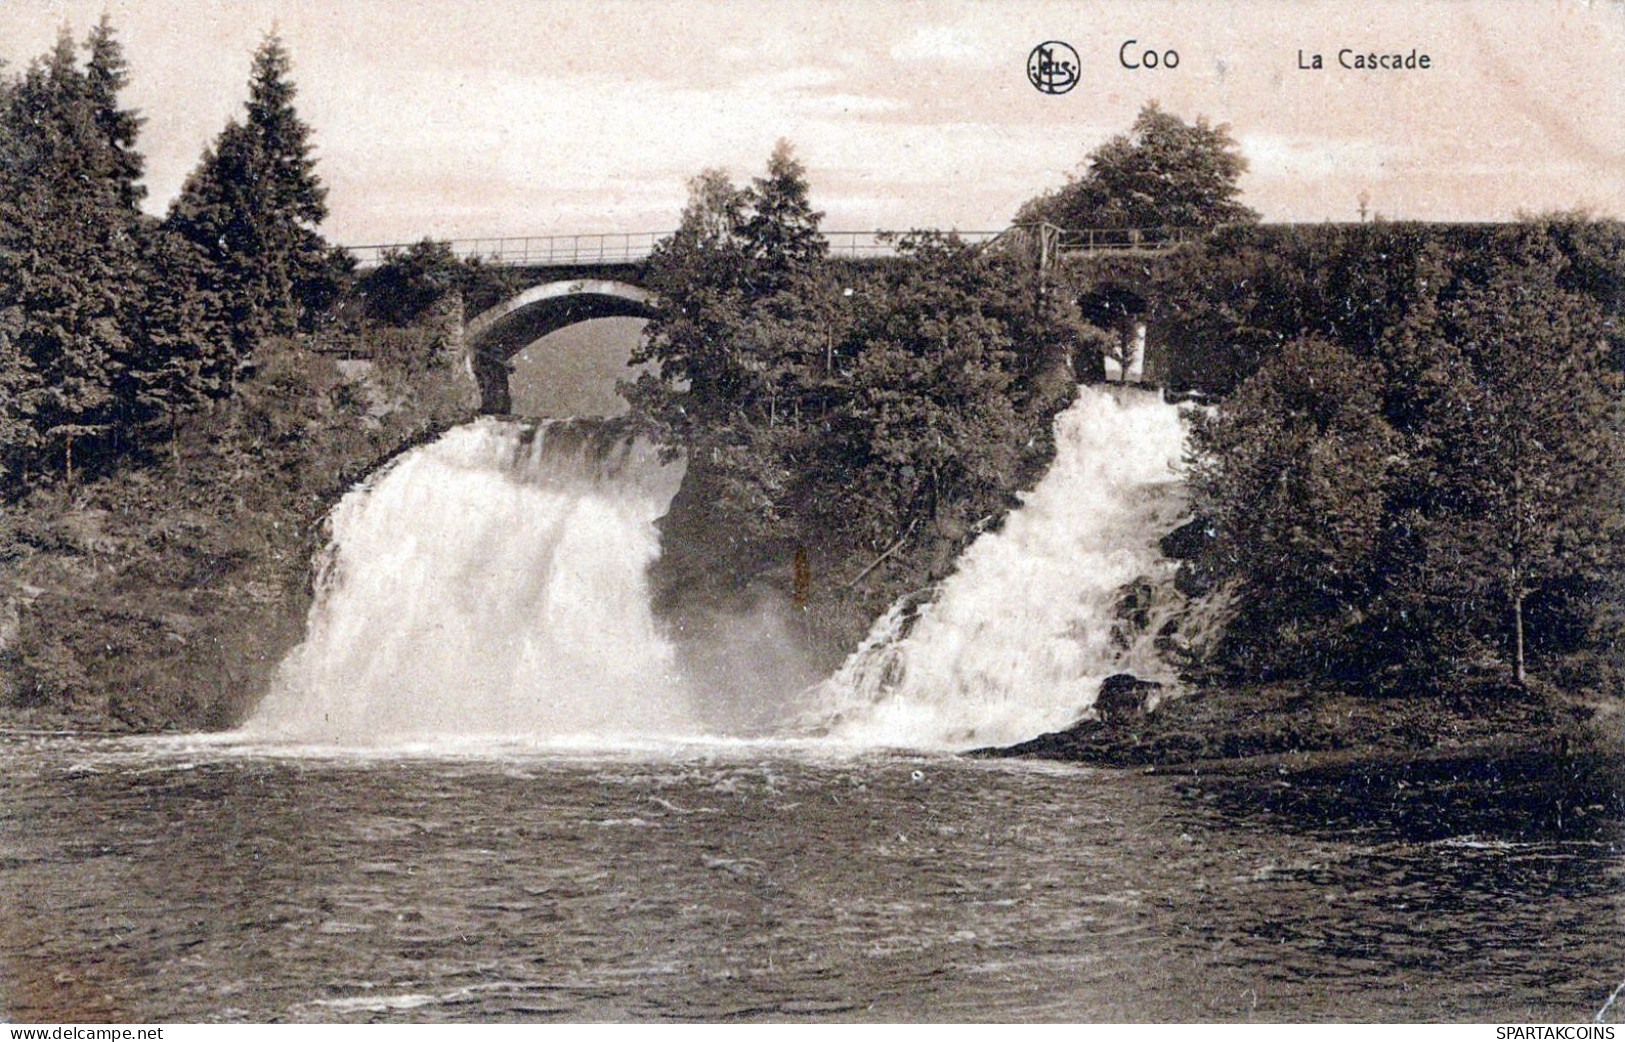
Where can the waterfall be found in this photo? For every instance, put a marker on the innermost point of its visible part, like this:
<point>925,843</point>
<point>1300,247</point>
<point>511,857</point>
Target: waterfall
<point>490,585</point>
<point>1017,640</point>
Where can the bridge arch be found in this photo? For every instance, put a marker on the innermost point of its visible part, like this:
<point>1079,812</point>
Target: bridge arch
<point>498,333</point>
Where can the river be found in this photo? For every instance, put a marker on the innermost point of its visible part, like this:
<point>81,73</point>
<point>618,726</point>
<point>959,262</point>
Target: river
<point>219,880</point>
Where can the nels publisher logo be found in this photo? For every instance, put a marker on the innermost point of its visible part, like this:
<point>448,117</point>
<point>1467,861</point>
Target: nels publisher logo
<point>1053,67</point>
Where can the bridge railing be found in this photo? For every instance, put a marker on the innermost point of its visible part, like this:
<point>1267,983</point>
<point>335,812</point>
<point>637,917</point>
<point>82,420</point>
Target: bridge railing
<point>1096,240</point>
<point>562,251</point>
<point>532,251</point>
<point>884,243</point>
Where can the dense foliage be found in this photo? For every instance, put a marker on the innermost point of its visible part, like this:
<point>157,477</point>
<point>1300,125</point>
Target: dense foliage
<point>73,347</point>
<point>1164,173</point>
<point>1414,466</point>
<point>251,209</point>
<point>1417,468</point>
<point>843,407</point>
<point>113,326</point>
<point>174,421</point>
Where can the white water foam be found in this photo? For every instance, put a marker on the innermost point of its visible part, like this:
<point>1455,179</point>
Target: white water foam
<point>1018,639</point>
<point>489,590</point>
<point>490,586</point>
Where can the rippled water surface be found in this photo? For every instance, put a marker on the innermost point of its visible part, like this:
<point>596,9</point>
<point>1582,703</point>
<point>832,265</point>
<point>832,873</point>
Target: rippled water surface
<point>174,880</point>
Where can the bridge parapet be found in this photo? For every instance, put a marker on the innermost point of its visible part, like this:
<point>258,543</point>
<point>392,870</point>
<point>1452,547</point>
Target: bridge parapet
<point>593,252</point>
<point>630,248</point>
<point>533,251</point>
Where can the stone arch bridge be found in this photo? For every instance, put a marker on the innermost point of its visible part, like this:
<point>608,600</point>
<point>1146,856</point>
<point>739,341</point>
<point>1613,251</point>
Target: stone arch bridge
<point>576,278</point>
<point>494,336</point>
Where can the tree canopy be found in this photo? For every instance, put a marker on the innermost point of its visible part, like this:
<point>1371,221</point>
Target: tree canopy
<point>1419,469</point>
<point>111,324</point>
<point>69,261</point>
<point>841,406</point>
<point>252,207</point>
<point>1164,173</point>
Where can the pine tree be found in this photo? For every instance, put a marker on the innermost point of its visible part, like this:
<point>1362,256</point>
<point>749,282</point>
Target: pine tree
<point>744,340</point>
<point>252,208</point>
<point>284,140</point>
<point>18,384</point>
<point>106,74</point>
<point>185,344</point>
<point>786,341</point>
<point>19,400</point>
<point>781,232</point>
<point>68,244</point>
<point>743,291</point>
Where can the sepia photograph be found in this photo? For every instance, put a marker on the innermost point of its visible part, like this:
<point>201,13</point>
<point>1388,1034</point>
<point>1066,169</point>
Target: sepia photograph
<point>815,512</point>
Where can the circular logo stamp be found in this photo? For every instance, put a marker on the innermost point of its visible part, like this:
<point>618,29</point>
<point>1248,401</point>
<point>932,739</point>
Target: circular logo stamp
<point>1053,67</point>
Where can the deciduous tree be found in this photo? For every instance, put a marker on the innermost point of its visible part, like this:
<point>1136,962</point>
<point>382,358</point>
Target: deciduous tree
<point>1164,173</point>
<point>1293,473</point>
<point>1539,489</point>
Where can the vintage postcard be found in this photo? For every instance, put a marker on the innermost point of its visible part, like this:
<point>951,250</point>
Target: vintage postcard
<point>811,512</point>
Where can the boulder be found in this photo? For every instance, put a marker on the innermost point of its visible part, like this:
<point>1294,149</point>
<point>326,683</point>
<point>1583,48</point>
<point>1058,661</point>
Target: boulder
<point>1122,697</point>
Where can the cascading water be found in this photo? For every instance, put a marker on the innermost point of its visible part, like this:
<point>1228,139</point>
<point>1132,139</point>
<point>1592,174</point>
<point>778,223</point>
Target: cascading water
<point>490,585</point>
<point>1018,639</point>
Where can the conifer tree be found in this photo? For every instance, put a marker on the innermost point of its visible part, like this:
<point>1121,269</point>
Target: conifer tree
<point>68,243</point>
<point>17,381</point>
<point>19,399</point>
<point>106,74</point>
<point>781,232</point>
<point>252,208</point>
<point>185,343</point>
<point>743,337</point>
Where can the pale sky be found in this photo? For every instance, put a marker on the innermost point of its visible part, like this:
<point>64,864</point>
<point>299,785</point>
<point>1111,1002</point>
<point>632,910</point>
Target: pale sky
<point>453,118</point>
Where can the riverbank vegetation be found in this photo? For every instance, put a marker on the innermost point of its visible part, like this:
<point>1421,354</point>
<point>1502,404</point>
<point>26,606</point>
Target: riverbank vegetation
<point>848,427</point>
<point>176,409</point>
<point>1410,485</point>
<point>1414,475</point>
<point>1407,490</point>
